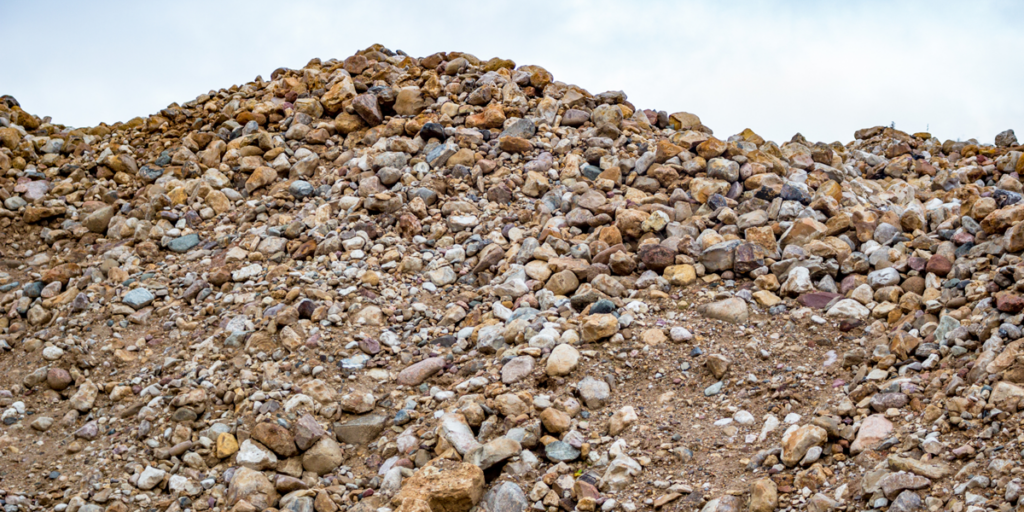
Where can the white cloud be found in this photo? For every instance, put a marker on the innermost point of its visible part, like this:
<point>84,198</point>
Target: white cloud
<point>824,69</point>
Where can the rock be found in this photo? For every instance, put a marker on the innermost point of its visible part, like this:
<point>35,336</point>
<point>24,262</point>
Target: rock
<point>894,483</point>
<point>58,379</point>
<point>797,441</point>
<point>252,487</point>
<point>360,431</point>
<point>441,486</point>
<point>656,257</point>
<point>150,478</point>
<point>494,452</point>
<point>458,434</point>
<point>98,220</point>
<point>275,437</point>
<point>555,421</point>
<point>907,501</point>
<point>324,457</point>
<point>934,471</point>
<point>718,365</point>
<point>563,283</point>
<point>138,298</point>
<point>226,445</point>
<point>183,244</point>
<point>621,420</point>
<point>558,451</point>
<point>599,326</point>
<point>848,308</point>
<point>260,178</point>
<point>505,497</point>
<point>873,430</point>
<point>42,423</point>
<point>254,456</point>
<point>519,368</point>
<point>562,361</point>
<point>764,496</point>
<point>85,397</point>
<point>595,393</point>
<point>416,373</point>
<point>681,275</point>
<point>729,310</point>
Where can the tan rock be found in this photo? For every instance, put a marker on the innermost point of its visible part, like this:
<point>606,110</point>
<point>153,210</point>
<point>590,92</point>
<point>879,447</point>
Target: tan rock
<point>681,275</point>
<point>441,486</point>
<point>599,326</point>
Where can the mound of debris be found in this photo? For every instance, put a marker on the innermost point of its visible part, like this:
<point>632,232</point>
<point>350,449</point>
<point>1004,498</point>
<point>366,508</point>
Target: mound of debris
<point>447,284</point>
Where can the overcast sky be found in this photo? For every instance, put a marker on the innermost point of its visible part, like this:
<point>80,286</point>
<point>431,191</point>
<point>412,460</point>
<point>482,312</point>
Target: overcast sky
<point>824,69</point>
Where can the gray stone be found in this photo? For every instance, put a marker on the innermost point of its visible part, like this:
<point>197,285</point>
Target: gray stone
<point>558,451</point>
<point>505,497</point>
<point>300,189</point>
<point>183,243</point>
<point>361,430</point>
<point>138,298</point>
<point>595,393</point>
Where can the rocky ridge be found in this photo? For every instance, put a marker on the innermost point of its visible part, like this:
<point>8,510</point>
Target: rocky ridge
<point>390,283</point>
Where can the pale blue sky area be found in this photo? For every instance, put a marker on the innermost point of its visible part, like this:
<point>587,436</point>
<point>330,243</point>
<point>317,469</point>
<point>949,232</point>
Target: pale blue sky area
<point>824,69</point>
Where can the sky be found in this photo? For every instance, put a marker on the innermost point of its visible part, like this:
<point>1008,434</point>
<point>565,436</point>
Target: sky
<point>823,69</point>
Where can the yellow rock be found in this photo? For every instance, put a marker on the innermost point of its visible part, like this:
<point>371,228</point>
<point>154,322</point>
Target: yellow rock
<point>653,337</point>
<point>681,275</point>
<point>226,445</point>
<point>178,196</point>
<point>766,298</point>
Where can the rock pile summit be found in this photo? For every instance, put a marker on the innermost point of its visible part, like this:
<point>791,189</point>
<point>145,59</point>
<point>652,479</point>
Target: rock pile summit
<point>447,284</point>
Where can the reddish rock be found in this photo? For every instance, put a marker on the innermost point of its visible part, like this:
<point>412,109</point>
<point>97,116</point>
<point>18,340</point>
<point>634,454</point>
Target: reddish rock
<point>1008,303</point>
<point>657,257</point>
<point>367,107</point>
<point>817,300</point>
<point>416,373</point>
<point>938,265</point>
<point>916,263</point>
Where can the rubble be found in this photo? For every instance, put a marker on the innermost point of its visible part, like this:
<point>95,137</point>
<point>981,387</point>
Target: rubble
<point>451,284</point>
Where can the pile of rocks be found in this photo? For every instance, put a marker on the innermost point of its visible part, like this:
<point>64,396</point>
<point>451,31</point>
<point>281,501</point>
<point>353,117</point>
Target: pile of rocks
<point>453,284</point>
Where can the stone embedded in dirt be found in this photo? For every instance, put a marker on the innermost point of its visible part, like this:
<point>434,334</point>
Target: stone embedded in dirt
<point>361,430</point>
<point>798,440</point>
<point>718,365</point>
<point>763,496</point>
<point>873,430</point>
<point>323,457</point>
<point>442,486</point>
<point>252,487</point>
<point>599,326</point>
<point>729,310</point>
<point>595,393</point>
<point>150,478</point>
<point>421,371</point>
<point>621,420</point>
<point>138,298</point>
<point>562,361</point>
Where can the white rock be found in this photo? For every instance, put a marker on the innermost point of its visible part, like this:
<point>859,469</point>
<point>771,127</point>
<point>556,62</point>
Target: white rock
<point>52,353</point>
<point>150,478</point>
<point>849,308</point>
<point>743,418</point>
<point>251,456</point>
